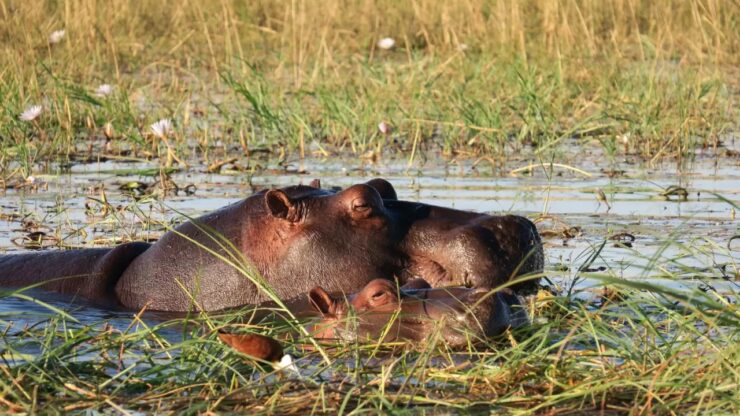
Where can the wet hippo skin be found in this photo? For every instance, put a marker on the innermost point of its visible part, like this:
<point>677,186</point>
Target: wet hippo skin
<point>89,273</point>
<point>296,238</point>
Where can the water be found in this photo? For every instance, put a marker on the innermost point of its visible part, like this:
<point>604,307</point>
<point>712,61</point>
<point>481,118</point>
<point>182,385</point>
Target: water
<point>679,244</point>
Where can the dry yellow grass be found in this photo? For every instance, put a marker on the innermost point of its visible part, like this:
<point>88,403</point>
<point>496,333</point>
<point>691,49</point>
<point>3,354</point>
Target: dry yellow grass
<point>301,36</point>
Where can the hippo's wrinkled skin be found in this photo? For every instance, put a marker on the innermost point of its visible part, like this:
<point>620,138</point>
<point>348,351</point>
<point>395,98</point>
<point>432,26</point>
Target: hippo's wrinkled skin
<point>296,238</point>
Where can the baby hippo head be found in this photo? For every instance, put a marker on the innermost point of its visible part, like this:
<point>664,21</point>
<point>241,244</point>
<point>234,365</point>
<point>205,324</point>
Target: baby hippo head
<point>383,312</point>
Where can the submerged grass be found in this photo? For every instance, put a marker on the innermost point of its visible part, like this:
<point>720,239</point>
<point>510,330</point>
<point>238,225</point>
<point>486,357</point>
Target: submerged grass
<point>635,347</point>
<point>468,79</point>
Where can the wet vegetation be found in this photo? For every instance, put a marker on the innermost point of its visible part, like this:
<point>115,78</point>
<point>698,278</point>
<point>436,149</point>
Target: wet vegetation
<point>209,100</point>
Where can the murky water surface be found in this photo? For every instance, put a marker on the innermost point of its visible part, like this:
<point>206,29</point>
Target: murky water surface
<point>678,242</point>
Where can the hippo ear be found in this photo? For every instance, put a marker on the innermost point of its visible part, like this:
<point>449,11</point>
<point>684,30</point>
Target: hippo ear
<point>381,297</point>
<point>321,301</point>
<point>280,205</point>
<point>316,183</point>
<point>254,345</point>
<point>384,188</point>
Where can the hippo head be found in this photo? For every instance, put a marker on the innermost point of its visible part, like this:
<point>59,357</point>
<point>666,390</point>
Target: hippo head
<point>300,237</point>
<point>415,312</point>
<point>306,236</point>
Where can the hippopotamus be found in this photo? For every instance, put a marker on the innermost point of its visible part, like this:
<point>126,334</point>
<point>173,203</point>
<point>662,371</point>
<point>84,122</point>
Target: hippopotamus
<point>384,312</point>
<point>281,243</point>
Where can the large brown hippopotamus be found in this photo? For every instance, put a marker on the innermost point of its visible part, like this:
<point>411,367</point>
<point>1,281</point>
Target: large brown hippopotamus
<point>384,312</point>
<point>289,241</point>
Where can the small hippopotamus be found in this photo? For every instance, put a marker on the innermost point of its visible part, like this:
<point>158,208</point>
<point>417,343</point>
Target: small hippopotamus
<point>280,243</point>
<point>384,312</point>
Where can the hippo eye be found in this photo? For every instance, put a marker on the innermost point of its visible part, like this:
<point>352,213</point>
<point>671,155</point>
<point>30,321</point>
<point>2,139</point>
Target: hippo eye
<point>379,294</point>
<point>380,297</point>
<point>361,205</point>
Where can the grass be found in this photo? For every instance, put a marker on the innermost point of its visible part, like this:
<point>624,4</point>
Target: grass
<point>653,80</point>
<point>636,348</point>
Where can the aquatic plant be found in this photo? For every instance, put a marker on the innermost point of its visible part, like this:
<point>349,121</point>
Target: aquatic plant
<point>104,90</point>
<point>31,113</point>
<point>162,128</point>
<point>57,36</point>
<point>386,43</point>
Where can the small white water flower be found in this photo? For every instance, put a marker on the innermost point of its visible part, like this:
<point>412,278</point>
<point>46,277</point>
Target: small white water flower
<point>31,113</point>
<point>386,43</point>
<point>104,90</point>
<point>384,127</point>
<point>57,36</point>
<point>162,128</point>
<point>287,365</point>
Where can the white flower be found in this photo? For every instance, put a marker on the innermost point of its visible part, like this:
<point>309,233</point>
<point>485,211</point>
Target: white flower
<point>162,128</point>
<point>31,113</point>
<point>287,365</point>
<point>104,90</point>
<point>57,36</point>
<point>462,47</point>
<point>386,43</point>
<point>384,127</point>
